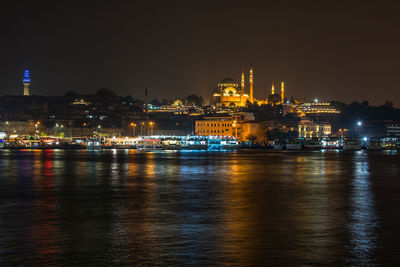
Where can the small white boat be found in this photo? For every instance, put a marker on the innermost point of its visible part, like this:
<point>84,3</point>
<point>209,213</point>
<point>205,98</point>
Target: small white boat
<point>331,144</point>
<point>222,144</point>
<point>93,145</point>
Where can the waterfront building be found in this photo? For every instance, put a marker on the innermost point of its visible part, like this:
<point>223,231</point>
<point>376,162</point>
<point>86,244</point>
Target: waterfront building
<point>222,126</point>
<point>19,128</point>
<point>310,129</point>
<point>380,128</point>
<point>393,129</point>
<point>109,132</point>
<point>27,83</point>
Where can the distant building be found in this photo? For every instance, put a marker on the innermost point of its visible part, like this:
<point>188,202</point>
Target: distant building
<point>317,108</point>
<point>382,128</point>
<point>80,101</point>
<point>230,94</point>
<point>309,129</point>
<point>393,130</point>
<point>27,83</point>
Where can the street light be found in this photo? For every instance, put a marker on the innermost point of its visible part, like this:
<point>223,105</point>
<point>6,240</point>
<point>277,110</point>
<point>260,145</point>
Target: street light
<point>36,129</point>
<point>141,128</point>
<point>133,125</point>
<point>359,124</point>
<point>234,125</point>
<point>151,127</point>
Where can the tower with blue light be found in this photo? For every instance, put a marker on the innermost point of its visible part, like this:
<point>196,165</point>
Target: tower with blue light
<point>27,82</point>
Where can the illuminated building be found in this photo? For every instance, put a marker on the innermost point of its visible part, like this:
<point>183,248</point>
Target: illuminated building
<point>242,83</point>
<point>273,89</point>
<point>18,128</point>
<point>222,126</point>
<point>251,84</point>
<point>27,82</point>
<point>316,108</point>
<point>230,94</point>
<point>309,129</point>
<point>177,102</point>
<point>80,102</point>
<point>273,99</point>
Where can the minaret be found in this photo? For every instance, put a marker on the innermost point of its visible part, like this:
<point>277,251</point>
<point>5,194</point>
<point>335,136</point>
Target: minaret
<point>27,83</point>
<point>273,89</point>
<point>283,92</point>
<point>251,81</point>
<point>242,84</point>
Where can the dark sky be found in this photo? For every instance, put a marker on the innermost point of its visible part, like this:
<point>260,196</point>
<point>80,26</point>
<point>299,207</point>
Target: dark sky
<point>332,50</point>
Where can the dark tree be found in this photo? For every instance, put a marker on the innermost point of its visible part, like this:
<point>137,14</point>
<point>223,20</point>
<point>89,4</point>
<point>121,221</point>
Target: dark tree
<point>155,102</point>
<point>194,100</point>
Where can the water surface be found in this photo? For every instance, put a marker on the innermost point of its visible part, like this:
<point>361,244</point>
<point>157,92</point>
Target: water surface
<point>123,207</point>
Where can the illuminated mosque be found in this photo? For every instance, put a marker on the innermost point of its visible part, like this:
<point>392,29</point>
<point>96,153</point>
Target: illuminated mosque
<point>230,94</point>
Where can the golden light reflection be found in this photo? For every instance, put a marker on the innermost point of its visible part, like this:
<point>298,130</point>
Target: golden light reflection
<point>288,197</point>
<point>138,231</point>
<point>238,217</point>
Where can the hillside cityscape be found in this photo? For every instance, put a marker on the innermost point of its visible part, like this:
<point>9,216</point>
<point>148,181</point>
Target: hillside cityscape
<point>230,110</point>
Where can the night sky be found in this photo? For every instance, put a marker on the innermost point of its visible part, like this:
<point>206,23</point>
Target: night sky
<point>332,50</point>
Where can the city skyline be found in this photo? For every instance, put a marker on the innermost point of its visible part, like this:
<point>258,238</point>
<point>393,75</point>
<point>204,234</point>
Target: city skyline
<point>332,51</point>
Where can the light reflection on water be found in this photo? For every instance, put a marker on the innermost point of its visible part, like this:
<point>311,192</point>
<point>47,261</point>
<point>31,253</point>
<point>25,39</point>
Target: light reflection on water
<point>241,208</point>
<point>363,219</point>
